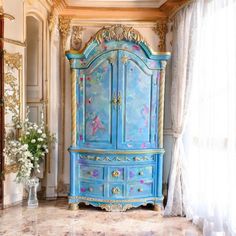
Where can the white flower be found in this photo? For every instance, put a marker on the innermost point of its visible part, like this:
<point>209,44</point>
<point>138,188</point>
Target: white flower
<point>38,146</point>
<point>44,135</point>
<point>27,133</point>
<point>39,131</point>
<point>33,141</point>
<point>40,139</point>
<point>46,150</point>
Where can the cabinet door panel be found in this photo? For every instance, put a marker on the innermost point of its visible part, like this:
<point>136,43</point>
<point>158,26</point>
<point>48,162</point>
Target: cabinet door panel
<point>137,111</point>
<point>97,114</point>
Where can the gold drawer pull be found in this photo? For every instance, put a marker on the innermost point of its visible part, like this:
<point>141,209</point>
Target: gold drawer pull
<point>116,173</point>
<point>116,190</point>
<point>141,173</point>
<point>90,189</point>
<point>140,190</point>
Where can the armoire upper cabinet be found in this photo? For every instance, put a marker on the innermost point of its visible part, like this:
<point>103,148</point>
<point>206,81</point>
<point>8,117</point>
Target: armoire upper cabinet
<point>117,121</point>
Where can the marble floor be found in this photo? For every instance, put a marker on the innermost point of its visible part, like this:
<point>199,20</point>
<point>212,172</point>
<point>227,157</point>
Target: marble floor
<point>54,218</point>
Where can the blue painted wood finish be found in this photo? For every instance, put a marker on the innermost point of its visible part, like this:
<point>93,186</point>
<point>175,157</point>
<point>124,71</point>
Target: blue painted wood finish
<point>116,163</point>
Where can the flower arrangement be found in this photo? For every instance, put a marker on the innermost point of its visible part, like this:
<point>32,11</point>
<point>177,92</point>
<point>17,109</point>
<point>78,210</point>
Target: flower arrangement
<point>29,150</point>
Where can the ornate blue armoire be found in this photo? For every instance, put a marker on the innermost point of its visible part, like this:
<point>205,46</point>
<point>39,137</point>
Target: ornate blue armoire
<point>116,155</point>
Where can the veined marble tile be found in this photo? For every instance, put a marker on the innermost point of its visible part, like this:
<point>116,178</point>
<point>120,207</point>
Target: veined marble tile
<point>54,218</point>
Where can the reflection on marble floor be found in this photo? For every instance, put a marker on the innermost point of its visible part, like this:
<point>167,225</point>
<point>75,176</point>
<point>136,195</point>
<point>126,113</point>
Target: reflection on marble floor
<point>53,218</point>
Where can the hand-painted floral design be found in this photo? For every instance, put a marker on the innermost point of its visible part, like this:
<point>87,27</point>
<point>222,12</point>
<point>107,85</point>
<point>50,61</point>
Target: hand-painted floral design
<point>96,125</point>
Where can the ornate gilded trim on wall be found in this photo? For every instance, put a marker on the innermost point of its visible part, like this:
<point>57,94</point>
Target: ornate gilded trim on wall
<point>11,94</point>
<point>12,97</point>
<point>118,33</point>
<point>161,30</point>
<point>13,60</point>
<point>52,20</point>
<point>12,168</point>
<point>76,38</point>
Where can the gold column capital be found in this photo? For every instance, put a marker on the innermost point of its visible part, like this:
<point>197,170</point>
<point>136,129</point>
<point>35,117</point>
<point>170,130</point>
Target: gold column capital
<point>64,28</point>
<point>161,30</point>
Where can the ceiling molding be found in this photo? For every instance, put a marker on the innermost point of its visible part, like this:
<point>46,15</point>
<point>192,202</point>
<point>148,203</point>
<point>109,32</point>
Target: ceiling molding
<point>121,14</point>
<point>116,3</point>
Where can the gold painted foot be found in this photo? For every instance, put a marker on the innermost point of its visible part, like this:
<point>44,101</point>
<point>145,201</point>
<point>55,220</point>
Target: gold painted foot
<point>157,208</point>
<point>73,206</point>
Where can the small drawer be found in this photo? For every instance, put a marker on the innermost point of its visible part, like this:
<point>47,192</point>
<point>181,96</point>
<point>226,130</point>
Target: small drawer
<point>142,188</point>
<point>88,188</point>
<point>116,190</point>
<point>91,172</point>
<point>140,172</point>
<point>116,173</point>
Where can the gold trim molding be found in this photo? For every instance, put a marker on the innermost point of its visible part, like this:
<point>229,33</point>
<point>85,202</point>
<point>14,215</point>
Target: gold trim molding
<point>115,201</point>
<point>161,30</point>
<point>116,207</point>
<point>76,37</point>
<point>12,168</point>
<point>158,151</point>
<point>13,60</point>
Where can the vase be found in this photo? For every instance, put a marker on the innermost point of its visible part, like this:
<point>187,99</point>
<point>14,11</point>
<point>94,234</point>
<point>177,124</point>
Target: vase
<point>32,185</point>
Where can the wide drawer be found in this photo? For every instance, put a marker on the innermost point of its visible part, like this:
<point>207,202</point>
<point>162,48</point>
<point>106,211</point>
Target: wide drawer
<point>91,172</point>
<point>140,172</point>
<point>89,188</point>
<point>141,188</point>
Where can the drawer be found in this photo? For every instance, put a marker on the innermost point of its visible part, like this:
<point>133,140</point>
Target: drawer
<point>140,172</point>
<point>116,190</point>
<point>88,188</point>
<point>145,188</point>
<point>116,173</point>
<point>91,172</point>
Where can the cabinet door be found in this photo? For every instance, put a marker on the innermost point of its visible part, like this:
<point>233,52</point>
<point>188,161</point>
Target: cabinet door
<point>137,89</point>
<point>97,85</point>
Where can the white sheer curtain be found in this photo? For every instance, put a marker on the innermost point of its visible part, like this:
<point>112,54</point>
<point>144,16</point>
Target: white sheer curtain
<point>210,140</point>
<point>184,35</point>
<point>210,135</point>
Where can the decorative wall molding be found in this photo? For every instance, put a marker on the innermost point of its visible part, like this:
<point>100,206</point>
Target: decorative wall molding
<point>52,20</point>
<point>13,60</point>
<point>12,168</point>
<point>76,37</point>
<point>64,29</point>
<point>161,30</point>
<point>13,63</point>
<point>14,42</point>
